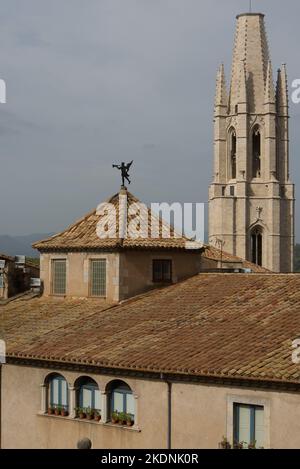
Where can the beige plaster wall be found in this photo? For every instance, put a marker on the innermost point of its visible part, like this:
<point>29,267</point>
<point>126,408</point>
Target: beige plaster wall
<point>201,415</point>
<point>78,273</point>
<point>136,269</point>
<point>128,273</point>
<point>23,427</point>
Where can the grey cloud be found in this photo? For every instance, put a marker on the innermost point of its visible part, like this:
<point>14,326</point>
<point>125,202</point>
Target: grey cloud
<point>90,83</point>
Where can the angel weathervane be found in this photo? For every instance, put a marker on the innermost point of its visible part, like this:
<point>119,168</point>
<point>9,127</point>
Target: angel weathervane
<point>124,168</point>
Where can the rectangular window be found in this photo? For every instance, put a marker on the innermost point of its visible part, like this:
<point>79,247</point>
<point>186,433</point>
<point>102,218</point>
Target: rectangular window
<point>1,281</point>
<point>59,277</point>
<point>248,425</point>
<point>232,191</point>
<point>98,277</point>
<point>162,271</point>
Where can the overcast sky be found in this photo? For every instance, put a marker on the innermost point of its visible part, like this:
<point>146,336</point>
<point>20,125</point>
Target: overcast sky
<point>94,82</point>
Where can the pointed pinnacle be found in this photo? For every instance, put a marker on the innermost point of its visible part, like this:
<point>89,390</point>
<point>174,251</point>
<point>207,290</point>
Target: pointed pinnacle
<point>269,89</point>
<point>221,91</point>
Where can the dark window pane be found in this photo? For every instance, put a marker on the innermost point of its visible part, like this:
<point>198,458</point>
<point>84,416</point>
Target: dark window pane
<point>162,270</point>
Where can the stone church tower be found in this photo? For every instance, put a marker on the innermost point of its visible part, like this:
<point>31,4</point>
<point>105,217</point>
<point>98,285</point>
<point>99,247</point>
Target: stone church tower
<point>251,198</point>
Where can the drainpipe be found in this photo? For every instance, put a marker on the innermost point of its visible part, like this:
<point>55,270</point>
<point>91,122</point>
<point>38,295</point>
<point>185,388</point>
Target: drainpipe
<point>0,406</point>
<point>169,416</point>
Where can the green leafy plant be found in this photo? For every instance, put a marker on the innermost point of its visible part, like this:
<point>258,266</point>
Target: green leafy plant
<point>97,415</point>
<point>51,409</point>
<point>224,444</point>
<point>64,412</point>
<point>115,417</point>
<point>252,445</point>
<point>58,409</point>
<point>89,413</point>
<point>122,418</point>
<point>129,420</point>
<point>238,445</point>
<point>81,412</point>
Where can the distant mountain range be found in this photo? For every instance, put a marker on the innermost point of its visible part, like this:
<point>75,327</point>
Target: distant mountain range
<point>21,245</point>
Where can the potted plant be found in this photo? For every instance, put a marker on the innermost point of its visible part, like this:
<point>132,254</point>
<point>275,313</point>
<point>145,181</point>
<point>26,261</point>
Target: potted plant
<point>97,415</point>
<point>114,417</point>
<point>64,412</point>
<point>238,445</point>
<point>252,445</point>
<point>50,410</point>
<point>122,418</point>
<point>129,420</point>
<point>224,444</point>
<point>57,410</point>
<point>81,413</point>
<point>89,413</point>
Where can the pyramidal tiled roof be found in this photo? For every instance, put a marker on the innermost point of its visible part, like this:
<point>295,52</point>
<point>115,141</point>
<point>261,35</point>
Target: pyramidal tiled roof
<point>84,233</point>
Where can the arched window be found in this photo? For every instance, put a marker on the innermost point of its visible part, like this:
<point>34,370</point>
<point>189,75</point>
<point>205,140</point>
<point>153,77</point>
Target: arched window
<point>58,399</point>
<point>256,246</point>
<point>232,146</point>
<point>121,402</point>
<point>256,153</point>
<point>88,398</point>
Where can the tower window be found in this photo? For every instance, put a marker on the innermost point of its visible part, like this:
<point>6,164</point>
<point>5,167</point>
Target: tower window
<point>256,246</point>
<point>233,154</point>
<point>232,191</point>
<point>256,153</point>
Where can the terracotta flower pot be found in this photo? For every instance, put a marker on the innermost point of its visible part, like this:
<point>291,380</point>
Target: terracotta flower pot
<point>82,415</point>
<point>64,413</point>
<point>57,412</point>
<point>129,423</point>
<point>97,418</point>
<point>114,421</point>
<point>50,411</point>
<point>90,416</point>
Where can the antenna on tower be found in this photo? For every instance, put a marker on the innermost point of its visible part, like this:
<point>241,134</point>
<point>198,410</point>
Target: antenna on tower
<point>250,6</point>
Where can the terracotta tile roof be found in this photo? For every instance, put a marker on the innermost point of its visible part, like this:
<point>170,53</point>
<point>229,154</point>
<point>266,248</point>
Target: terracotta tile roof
<point>28,263</point>
<point>5,257</point>
<point>82,235</point>
<point>210,252</point>
<point>221,325</point>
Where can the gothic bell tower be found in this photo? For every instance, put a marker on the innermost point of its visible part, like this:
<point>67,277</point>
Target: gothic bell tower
<point>251,198</point>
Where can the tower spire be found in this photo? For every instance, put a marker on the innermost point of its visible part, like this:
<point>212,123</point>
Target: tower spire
<point>250,46</point>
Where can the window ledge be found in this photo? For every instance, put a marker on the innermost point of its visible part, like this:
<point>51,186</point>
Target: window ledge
<point>93,422</point>
<point>124,427</point>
